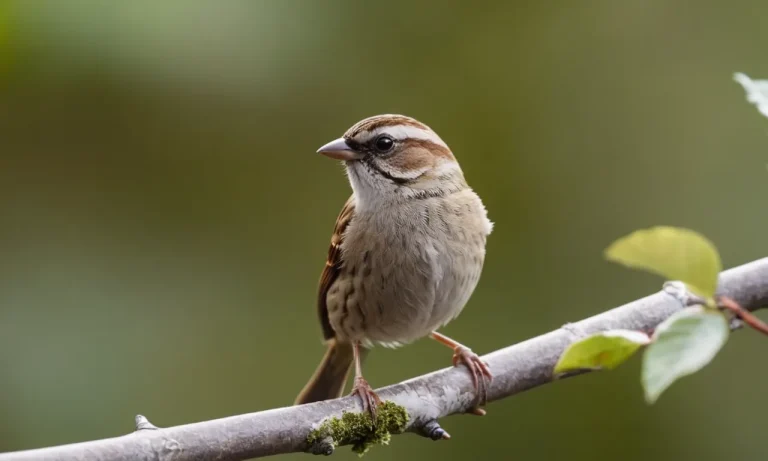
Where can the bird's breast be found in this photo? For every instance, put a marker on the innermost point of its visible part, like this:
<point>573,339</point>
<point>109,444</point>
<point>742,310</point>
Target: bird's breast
<point>408,269</point>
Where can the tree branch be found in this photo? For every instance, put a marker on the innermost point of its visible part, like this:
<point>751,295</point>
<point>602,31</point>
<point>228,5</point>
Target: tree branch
<point>426,398</point>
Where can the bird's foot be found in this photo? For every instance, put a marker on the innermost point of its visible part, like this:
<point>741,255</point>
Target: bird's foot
<point>481,374</point>
<point>369,399</point>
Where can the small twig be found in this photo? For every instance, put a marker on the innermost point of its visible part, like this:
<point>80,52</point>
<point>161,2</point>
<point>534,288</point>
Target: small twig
<point>743,314</point>
<point>143,424</point>
<point>432,430</point>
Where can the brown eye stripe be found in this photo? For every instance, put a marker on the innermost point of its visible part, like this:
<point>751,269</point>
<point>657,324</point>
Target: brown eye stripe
<point>436,149</point>
<point>373,123</point>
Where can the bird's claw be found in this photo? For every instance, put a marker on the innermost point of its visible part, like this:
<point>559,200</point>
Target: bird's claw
<point>369,399</point>
<point>481,375</point>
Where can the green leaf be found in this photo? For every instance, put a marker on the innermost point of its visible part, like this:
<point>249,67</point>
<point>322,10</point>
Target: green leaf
<point>683,344</point>
<point>672,252</point>
<point>605,350</point>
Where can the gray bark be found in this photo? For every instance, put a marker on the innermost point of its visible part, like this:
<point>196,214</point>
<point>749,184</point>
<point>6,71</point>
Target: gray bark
<point>426,398</point>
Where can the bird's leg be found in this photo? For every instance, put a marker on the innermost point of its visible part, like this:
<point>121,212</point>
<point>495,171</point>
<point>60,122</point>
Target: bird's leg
<point>477,368</point>
<point>361,388</point>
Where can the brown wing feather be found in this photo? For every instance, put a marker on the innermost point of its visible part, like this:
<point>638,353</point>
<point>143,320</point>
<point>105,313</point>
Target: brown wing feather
<point>333,265</point>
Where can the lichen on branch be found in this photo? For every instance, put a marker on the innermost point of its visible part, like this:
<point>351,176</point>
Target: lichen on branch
<point>359,430</point>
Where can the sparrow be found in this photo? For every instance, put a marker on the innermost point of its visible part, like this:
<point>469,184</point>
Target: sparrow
<point>406,253</point>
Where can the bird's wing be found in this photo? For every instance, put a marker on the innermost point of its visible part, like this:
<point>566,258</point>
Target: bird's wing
<point>333,265</point>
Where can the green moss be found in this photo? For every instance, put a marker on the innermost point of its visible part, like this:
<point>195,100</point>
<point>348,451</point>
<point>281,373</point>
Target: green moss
<point>356,429</point>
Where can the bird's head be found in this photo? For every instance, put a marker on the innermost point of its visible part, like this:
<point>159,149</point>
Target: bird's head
<point>394,157</point>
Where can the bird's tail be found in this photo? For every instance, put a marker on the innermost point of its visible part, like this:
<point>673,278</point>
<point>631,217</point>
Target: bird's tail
<point>328,380</point>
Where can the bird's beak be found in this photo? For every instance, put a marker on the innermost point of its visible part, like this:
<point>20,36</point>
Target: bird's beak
<point>340,150</point>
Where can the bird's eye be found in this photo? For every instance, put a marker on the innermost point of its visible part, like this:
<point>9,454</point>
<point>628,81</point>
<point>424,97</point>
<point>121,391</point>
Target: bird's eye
<point>384,143</point>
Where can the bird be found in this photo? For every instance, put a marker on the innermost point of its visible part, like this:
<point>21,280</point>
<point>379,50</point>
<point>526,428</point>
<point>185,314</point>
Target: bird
<point>405,256</point>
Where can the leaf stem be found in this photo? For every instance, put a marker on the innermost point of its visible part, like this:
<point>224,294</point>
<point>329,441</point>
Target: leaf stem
<point>748,318</point>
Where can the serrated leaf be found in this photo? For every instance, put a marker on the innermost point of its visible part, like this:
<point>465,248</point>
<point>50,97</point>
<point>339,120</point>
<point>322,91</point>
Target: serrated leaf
<point>683,344</point>
<point>605,350</point>
<point>672,252</point>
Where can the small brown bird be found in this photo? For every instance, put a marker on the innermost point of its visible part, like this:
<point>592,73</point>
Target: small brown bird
<point>406,253</point>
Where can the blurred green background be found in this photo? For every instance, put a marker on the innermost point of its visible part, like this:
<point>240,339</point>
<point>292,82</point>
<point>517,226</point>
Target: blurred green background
<point>164,218</point>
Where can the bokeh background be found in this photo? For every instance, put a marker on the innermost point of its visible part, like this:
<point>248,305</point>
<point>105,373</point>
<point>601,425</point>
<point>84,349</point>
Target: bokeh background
<point>164,218</point>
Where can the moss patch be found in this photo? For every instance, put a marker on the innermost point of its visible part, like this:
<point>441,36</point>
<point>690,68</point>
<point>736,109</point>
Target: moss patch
<point>358,430</point>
